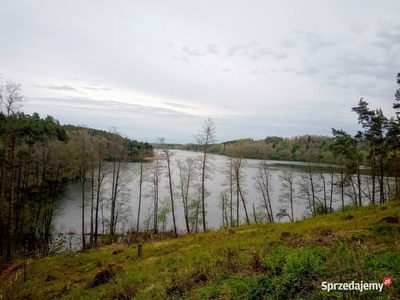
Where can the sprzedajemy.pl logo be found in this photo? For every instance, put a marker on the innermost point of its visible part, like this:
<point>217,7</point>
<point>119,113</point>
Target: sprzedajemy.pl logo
<point>356,286</point>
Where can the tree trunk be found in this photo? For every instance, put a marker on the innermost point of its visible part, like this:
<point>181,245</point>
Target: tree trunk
<point>114,202</point>
<point>244,205</point>
<point>312,189</point>
<point>254,214</point>
<point>99,183</point>
<point>171,194</point>
<point>203,178</point>
<point>231,191</point>
<point>11,202</point>
<point>359,185</point>
<point>91,210</point>
<point>395,173</point>
<point>83,211</point>
<point>291,200</point>
<point>140,196</point>
<point>155,186</point>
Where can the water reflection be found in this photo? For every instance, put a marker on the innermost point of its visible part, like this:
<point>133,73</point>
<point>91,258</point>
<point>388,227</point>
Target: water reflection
<point>69,218</point>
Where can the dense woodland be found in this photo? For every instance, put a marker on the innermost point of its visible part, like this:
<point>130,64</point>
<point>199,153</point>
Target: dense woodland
<point>39,157</point>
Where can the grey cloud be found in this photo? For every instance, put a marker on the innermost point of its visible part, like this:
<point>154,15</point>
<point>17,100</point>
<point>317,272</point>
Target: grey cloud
<point>232,50</point>
<point>310,69</point>
<point>213,49</point>
<point>96,87</point>
<point>383,44</point>
<point>305,69</point>
<point>226,70</point>
<point>389,34</point>
<point>254,51</point>
<point>61,88</point>
<point>315,41</point>
<point>332,76</point>
<point>192,51</point>
<point>280,55</point>
<point>379,60</point>
<point>94,84</point>
<point>241,48</point>
<point>288,43</point>
<point>179,105</point>
<point>358,30</point>
<point>182,59</point>
<point>90,88</point>
<point>367,69</point>
<point>262,51</point>
<point>110,106</point>
<point>258,72</point>
<point>359,63</point>
<point>358,71</point>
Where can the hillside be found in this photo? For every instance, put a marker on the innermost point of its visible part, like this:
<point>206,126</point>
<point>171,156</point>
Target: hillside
<point>136,149</point>
<point>264,261</point>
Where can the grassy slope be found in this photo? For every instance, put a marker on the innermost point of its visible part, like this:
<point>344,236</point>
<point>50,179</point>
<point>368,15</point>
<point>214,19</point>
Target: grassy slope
<point>267,261</point>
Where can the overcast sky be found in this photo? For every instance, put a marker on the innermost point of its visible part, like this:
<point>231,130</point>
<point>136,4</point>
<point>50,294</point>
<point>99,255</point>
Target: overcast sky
<point>160,68</point>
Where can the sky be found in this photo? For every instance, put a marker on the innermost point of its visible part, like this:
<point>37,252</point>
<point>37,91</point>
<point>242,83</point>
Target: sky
<point>161,68</point>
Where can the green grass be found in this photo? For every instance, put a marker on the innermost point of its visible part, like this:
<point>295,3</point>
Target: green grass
<point>265,261</point>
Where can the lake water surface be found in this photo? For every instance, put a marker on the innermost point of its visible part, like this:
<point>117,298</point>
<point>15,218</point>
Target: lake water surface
<point>69,216</point>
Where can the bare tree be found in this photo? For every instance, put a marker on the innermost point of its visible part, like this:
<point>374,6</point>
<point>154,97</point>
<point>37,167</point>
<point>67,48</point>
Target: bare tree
<point>205,137</point>
<point>167,154</point>
<point>309,187</point>
<point>327,193</point>
<point>119,178</point>
<point>154,178</point>
<point>142,171</point>
<point>228,170</point>
<point>187,175</point>
<point>239,177</point>
<point>287,194</point>
<point>81,141</point>
<point>92,163</point>
<point>262,184</point>
<point>122,210</point>
<point>164,211</point>
<point>102,170</point>
<point>223,204</point>
<point>11,98</point>
<point>194,208</point>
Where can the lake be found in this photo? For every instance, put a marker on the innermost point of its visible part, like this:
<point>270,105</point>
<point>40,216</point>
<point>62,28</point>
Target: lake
<point>68,219</point>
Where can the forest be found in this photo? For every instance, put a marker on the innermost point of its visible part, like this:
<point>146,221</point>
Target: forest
<point>39,156</point>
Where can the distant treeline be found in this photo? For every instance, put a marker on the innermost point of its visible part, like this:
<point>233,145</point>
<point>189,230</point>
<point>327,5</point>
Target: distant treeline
<point>306,148</point>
